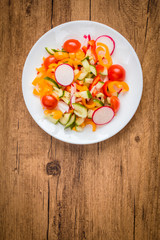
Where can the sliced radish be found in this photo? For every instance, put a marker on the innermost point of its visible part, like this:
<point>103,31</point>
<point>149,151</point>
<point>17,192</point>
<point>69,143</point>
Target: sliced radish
<point>103,115</point>
<point>78,99</point>
<point>63,107</point>
<point>73,100</point>
<point>64,74</point>
<point>73,88</point>
<point>107,40</point>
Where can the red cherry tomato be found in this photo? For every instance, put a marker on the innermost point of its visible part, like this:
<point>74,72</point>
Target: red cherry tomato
<point>105,89</point>
<point>49,101</point>
<point>116,73</point>
<point>49,60</point>
<point>71,45</point>
<point>115,103</point>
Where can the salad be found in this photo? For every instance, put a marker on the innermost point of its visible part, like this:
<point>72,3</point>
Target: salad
<point>79,84</point>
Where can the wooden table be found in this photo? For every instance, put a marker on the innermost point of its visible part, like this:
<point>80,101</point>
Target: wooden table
<point>104,191</point>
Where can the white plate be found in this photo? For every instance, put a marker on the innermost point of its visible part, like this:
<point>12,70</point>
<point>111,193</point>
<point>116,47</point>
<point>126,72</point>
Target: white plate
<point>124,55</point>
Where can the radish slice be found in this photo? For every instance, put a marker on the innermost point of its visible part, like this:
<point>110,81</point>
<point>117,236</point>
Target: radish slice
<point>63,107</point>
<point>108,41</point>
<point>73,100</point>
<point>64,74</point>
<point>103,115</point>
<point>73,88</point>
<point>78,99</point>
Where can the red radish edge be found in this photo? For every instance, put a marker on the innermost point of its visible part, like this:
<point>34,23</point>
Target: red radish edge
<point>111,40</point>
<point>85,36</point>
<point>63,107</point>
<point>64,74</point>
<point>102,115</point>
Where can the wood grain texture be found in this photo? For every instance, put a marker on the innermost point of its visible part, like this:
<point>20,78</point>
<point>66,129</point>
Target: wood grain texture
<point>50,190</point>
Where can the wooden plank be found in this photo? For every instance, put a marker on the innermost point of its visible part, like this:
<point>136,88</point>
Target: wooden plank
<point>102,191</point>
<point>24,188</point>
<point>132,209</point>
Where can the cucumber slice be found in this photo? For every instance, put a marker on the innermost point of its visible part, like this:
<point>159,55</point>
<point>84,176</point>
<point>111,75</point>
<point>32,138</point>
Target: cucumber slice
<point>99,85</point>
<point>78,128</point>
<point>76,71</point>
<point>93,70</point>
<point>101,96</point>
<point>51,119</point>
<point>71,121</point>
<point>55,50</point>
<point>65,119</point>
<point>66,97</point>
<point>84,94</point>
<point>79,121</point>
<point>104,72</point>
<point>59,92</point>
<point>80,110</point>
<point>88,80</point>
<point>98,103</point>
<point>82,75</point>
<point>86,65</point>
<point>49,50</point>
<point>52,82</point>
<point>90,113</point>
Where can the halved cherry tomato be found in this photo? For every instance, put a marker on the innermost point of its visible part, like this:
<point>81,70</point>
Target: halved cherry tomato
<point>49,60</point>
<point>105,89</point>
<point>116,73</point>
<point>99,68</point>
<point>71,45</point>
<point>115,103</point>
<point>49,101</point>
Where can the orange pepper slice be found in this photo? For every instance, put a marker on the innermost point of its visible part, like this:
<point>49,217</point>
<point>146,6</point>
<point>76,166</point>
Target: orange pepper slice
<point>81,88</point>
<point>80,55</point>
<point>115,86</point>
<point>35,92</point>
<point>61,55</point>
<point>89,105</point>
<point>89,121</point>
<point>107,55</point>
<point>72,55</point>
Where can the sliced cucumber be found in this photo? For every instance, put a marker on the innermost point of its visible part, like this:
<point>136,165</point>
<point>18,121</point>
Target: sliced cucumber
<point>55,50</point>
<point>78,128</point>
<point>90,113</point>
<point>65,119</point>
<point>99,85</point>
<point>79,121</point>
<point>71,121</point>
<point>51,119</point>
<point>58,91</point>
<point>86,65</point>
<point>80,110</point>
<point>98,103</point>
<point>101,96</point>
<point>109,100</point>
<point>93,70</point>
<point>52,82</point>
<point>82,75</point>
<point>49,50</point>
<point>88,80</point>
<point>104,72</point>
<point>84,94</point>
<point>66,97</point>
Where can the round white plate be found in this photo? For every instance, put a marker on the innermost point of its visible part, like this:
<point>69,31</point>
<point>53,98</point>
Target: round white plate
<point>124,55</point>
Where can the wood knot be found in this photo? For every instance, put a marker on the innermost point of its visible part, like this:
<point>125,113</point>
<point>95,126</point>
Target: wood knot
<point>53,168</point>
<point>137,139</point>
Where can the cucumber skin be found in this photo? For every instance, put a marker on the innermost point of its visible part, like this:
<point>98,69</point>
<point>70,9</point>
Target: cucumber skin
<point>70,124</point>
<point>52,81</point>
<point>67,121</point>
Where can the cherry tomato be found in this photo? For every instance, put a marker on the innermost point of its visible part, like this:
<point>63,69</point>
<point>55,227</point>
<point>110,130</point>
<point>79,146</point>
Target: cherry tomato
<point>71,45</point>
<point>99,68</point>
<point>49,60</point>
<point>105,89</point>
<point>49,101</point>
<point>115,103</point>
<point>116,73</point>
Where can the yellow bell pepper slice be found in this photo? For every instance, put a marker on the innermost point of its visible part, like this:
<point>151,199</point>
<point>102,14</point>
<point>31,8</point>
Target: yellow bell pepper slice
<point>80,54</point>
<point>61,55</point>
<point>89,121</point>
<point>56,114</point>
